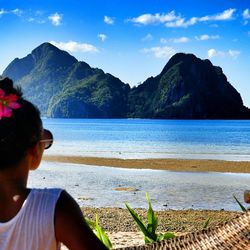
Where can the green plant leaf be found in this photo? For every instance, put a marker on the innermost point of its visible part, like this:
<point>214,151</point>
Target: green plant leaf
<point>152,219</point>
<point>102,235</point>
<point>207,222</point>
<point>149,232</point>
<point>148,240</point>
<point>104,238</point>
<point>137,219</point>
<point>241,206</point>
<point>160,237</point>
<point>90,223</point>
<point>168,235</point>
<point>165,236</point>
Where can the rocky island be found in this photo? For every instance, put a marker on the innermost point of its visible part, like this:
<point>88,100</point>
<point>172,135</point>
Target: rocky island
<point>187,88</point>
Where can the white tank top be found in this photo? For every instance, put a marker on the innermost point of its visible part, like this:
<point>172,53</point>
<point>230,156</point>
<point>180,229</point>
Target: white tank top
<point>33,226</point>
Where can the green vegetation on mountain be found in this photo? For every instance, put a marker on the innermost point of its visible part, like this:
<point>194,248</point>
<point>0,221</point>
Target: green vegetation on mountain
<point>100,95</point>
<point>63,87</point>
<point>187,88</point>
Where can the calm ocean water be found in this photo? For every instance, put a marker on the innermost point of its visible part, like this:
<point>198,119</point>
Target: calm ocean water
<point>95,186</point>
<point>125,138</point>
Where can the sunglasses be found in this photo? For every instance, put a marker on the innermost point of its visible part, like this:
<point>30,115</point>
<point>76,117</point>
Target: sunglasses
<point>47,139</point>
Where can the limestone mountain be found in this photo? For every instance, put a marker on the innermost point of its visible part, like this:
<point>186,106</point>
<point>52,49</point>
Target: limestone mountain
<point>61,86</point>
<point>187,88</point>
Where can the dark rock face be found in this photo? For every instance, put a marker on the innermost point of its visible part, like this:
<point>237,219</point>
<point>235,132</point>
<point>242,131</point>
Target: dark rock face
<point>187,88</point>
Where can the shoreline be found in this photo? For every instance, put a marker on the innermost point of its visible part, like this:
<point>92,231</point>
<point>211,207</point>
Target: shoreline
<point>185,165</point>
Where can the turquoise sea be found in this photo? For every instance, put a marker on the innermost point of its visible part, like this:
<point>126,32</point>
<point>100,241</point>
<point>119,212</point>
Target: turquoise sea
<point>125,138</point>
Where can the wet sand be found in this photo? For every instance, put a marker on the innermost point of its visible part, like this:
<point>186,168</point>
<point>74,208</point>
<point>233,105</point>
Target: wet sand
<point>162,164</point>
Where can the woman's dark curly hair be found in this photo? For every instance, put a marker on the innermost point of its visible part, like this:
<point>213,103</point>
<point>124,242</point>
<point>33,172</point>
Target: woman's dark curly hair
<point>19,132</point>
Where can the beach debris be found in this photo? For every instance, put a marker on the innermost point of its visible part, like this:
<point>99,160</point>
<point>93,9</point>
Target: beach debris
<point>247,196</point>
<point>130,189</point>
<point>207,223</point>
<point>239,203</point>
<point>85,198</point>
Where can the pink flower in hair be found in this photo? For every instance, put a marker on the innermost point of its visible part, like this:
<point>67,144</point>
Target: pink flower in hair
<point>7,103</point>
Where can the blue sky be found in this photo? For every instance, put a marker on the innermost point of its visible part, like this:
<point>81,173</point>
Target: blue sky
<point>133,39</point>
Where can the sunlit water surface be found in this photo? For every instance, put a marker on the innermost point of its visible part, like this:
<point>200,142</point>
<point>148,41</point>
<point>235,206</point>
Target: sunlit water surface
<point>125,138</point>
<point>95,186</point>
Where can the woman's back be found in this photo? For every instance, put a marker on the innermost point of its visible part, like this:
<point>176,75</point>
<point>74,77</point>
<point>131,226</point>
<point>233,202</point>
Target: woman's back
<point>33,226</point>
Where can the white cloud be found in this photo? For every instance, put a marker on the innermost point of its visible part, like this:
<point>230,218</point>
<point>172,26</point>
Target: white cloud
<point>146,19</point>
<point>225,15</point>
<point>211,53</point>
<point>148,37</point>
<point>2,12</point>
<point>17,12</point>
<point>37,16</point>
<point>181,40</point>
<point>108,20</point>
<point>56,19</point>
<point>160,52</point>
<point>103,37</point>
<point>234,53</point>
<point>178,23</point>
<point>175,40</point>
<point>207,37</point>
<point>31,19</point>
<point>28,15</point>
<point>246,14</point>
<point>230,53</point>
<point>172,20</point>
<point>72,46</point>
<point>182,23</point>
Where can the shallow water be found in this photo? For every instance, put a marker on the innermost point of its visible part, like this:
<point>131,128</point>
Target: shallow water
<point>94,186</point>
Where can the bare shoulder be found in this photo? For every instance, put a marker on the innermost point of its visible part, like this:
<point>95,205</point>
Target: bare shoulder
<point>71,228</point>
<point>66,203</point>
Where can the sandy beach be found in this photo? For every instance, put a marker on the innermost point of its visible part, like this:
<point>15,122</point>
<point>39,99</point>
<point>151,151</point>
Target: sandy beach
<point>162,164</point>
<point>118,223</point>
<point>123,231</point>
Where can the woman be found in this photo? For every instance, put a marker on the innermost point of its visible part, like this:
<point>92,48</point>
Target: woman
<point>33,219</point>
